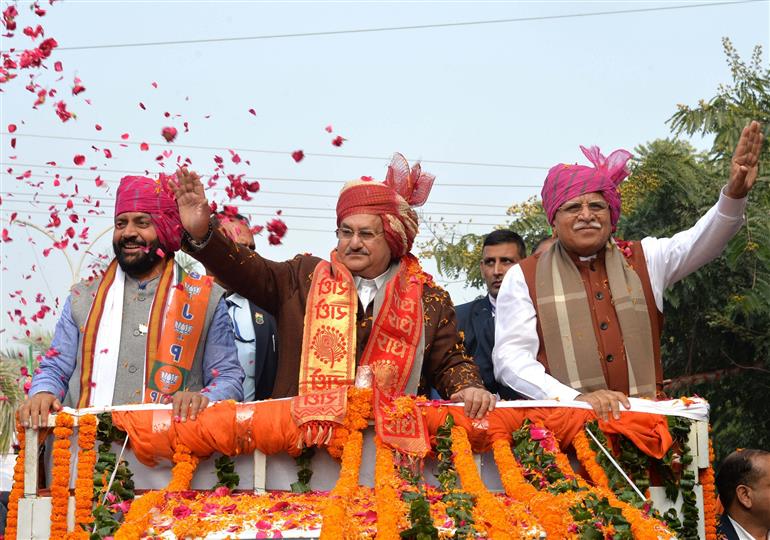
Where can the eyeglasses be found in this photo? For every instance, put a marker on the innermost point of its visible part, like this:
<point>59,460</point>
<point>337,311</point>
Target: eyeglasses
<point>574,208</point>
<point>364,235</point>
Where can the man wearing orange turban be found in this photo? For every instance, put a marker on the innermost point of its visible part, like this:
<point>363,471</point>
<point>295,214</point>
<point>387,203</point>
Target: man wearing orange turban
<point>369,309</point>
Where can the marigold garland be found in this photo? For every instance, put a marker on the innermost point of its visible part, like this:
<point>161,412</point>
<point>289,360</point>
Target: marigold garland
<point>390,509</point>
<point>552,517</point>
<point>587,458</point>
<point>357,417</point>
<point>84,484</point>
<point>60,474</point>
<point>17,491</point>
<point>336,525</point>
<point>489,513</point>
<point>706,477</point>
<point>138,517</point>
<point>642,526</point>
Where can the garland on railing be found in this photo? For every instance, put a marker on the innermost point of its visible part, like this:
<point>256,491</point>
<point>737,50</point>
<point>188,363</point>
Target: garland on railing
<point>84,484</point>
<point>644,525</point>
<point>60,474</point>
<point>390,508</point>
<point>459,504</point>
<point>709,496</point>
<point>17,491</point>
<point>336,524</point>
<point>489,513</point>
<point>138,517</point>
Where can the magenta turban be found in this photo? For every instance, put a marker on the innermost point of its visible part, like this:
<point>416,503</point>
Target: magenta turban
<point>142,194</point>
<point>565,182</point>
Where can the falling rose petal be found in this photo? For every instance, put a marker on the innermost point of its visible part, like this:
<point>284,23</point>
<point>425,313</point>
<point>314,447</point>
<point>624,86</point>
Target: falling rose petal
<point>13,145</point>
<point>57,66</point>
<point>144,147</point>
<point>154,85</point>
<point>79,159</point>
<point>11,128</point>
<point>5,237</point>
<point>215,372</point>
<point>169,133</point>
<point>338,140</point>
<point>252,111</point>
<point>160,253</point>
<point>107,153</point>
<point>124,136</point>
<point>298,155</point>
<point>77,89</point>
<point>328,128</point>
<point>141,106</point>
<point>99,181</point>
<point>98,127</point>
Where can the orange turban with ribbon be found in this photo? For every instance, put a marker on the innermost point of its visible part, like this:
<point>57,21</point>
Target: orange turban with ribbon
<point>392,200</point>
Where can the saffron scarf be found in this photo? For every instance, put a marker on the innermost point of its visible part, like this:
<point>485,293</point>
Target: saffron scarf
<point>101,332</point>
<point>329,356</point>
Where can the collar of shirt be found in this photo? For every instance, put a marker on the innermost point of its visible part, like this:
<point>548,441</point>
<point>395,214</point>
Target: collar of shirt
<point>237,300</point>
<point>367,288</point>
<point>742,533</point>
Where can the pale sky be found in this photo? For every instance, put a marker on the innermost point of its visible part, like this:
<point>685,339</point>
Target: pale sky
<point>518,96</point>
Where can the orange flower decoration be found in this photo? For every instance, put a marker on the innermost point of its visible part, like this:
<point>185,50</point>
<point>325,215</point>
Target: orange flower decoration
<point>12,517</point>
<point>138,517</point>
<point>489,513</point>
<point>336,524</point>
<point>706,477</point>
<point>390,508</point>
<point>84,484</point>
<point>60,474</point>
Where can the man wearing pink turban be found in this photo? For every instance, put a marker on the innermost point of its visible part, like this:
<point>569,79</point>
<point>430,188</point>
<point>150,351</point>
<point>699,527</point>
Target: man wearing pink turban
<point>582,320</point>
<point>107,347</point>
<point>369,309</point>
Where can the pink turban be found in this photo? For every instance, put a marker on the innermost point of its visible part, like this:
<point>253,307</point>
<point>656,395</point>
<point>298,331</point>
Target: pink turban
<point>391,200</point>
<point>142,194</point>
<point>565,182</point>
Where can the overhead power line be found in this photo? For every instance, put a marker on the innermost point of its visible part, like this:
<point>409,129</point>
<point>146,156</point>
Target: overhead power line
<point>267,151</point>
<point>399,28</point>
<point>247,177</point>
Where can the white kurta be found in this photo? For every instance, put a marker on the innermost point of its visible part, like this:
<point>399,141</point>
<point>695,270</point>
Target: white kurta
<point>668,261</point>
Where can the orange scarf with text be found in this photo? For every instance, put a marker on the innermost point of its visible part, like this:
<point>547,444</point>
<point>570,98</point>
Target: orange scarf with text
<point>329,348</point>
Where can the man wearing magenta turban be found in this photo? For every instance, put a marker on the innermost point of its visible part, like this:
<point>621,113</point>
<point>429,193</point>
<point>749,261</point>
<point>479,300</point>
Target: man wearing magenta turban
<point>582,321</point>
<point>144,331</point>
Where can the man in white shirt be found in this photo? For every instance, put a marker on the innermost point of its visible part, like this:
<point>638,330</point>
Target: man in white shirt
<point>582,321</point>
<point>255,330</point>
<point>743,483</point>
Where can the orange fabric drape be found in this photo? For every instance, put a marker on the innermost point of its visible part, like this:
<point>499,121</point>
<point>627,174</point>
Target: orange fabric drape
<point>239,428</point>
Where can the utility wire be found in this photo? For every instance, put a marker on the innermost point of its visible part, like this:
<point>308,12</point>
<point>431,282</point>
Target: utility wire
<point>266,151</point>
<point>223,177</point>
<point>400,28</point>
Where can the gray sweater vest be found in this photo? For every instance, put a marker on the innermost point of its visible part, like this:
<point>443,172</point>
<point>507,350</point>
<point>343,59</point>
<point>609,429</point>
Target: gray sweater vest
<point>133,340</point>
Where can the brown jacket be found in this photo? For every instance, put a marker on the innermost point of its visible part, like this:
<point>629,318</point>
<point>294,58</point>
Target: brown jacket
<point>281,289</point>
<point>609,339</point>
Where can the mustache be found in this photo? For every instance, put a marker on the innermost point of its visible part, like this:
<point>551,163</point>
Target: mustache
<point>362,251</point>
<point>589,225</point>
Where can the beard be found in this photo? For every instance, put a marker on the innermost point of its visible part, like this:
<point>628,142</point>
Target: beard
<point>140,263</point>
